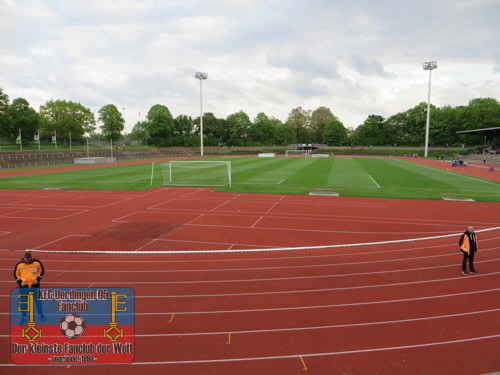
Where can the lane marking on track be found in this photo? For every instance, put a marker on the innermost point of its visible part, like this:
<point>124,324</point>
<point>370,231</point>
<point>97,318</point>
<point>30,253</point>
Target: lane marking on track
<point>305,266</point>
<point>310,355</point>
<point>221,260</point>
<point>62,238</point>
<point>171,318</point>
<point>294,329</point>
<point>228,342</point>
<point>304,368</point>
<point>228,281</point>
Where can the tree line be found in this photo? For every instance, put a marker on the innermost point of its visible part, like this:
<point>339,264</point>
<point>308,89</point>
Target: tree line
<point>68,119</point>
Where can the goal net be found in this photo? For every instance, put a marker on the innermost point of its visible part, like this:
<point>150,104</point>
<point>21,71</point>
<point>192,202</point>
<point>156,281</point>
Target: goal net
<point>303,153</point>
<point>193,173</point>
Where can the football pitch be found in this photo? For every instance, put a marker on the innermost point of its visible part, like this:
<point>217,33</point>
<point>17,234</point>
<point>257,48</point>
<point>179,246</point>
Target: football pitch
<point>367,177</point>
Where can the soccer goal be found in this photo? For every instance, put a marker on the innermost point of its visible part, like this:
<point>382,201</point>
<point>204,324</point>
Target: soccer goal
<point>303,153</point>
<point>193,173</point>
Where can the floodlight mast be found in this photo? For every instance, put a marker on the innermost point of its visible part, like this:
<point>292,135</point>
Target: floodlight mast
<point>430,66</point>
<point>201,76</point>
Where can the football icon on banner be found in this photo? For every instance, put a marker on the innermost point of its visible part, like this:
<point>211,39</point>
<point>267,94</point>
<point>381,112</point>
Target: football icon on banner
<point>72,326</point>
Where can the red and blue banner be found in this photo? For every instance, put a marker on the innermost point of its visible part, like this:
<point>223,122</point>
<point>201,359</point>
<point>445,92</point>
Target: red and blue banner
<point>72,326</point>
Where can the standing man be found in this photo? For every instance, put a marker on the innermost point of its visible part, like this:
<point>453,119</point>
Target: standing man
<point>28,272</point>
<point>468,246</point>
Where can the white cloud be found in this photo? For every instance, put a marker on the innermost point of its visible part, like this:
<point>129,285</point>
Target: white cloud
<point>356,57</point>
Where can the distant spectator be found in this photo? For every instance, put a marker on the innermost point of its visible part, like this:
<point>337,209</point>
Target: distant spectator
<point>468,246</point>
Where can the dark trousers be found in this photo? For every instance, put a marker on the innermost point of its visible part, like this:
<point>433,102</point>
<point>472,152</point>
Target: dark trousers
<point>470,257</point>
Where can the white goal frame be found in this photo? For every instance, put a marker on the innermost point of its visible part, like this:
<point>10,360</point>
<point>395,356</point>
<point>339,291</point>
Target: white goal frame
<point>297,152</point>
<point>170,175</point>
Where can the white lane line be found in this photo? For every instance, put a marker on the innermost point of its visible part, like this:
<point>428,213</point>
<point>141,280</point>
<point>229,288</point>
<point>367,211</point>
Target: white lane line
<point>375,182</point>
<point>310,328</point>
<point>278,183</point>
<point>259,219</point>
<point>329,276</point>
<point>310,355</point>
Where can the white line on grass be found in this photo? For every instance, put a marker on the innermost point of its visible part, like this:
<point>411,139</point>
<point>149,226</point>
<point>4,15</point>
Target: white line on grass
<point>449,172</point>
<point>375,182</point>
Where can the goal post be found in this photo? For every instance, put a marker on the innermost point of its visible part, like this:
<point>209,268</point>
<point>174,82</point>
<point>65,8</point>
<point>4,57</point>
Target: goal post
<point>193,173</point>
<point>296,153</point>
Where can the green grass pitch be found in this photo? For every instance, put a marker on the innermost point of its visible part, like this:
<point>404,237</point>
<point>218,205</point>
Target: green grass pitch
<point>367,177</point>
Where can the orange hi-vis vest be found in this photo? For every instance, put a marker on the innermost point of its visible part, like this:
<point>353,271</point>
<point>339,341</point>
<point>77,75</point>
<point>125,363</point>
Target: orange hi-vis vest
<point>466,245</point>
<point>29,272</point>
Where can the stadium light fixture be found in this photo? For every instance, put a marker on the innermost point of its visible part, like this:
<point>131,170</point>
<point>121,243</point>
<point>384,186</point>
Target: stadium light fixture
<point>430,66</point>
<point>201,76</point>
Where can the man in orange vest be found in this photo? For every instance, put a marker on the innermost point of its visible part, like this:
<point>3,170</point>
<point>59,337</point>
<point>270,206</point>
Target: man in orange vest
<point>28,272</point>
<point>468,246</point>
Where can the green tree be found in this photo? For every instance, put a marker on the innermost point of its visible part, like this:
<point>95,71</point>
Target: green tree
<point>300,120</point>
<point>214,130</point>
<point>284,134</point>
<point>263,130</point>
<point>6,129</point>
<point>64,117</point>
<point>371,132</point>
<point>319,119</point>
<point>335,133</point>
<point>482,113</point>
<point>238,127</point>
<point>183,125</point>
<point>139,132</point>
<point>112,122</point>
<point>23,117</point>
<point>160,125</point>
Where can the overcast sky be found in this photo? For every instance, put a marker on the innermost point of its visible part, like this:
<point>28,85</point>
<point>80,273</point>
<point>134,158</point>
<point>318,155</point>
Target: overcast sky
<point>356,57</point>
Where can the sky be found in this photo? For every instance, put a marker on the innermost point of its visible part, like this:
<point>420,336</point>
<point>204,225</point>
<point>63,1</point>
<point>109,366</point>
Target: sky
<point>356,57</point>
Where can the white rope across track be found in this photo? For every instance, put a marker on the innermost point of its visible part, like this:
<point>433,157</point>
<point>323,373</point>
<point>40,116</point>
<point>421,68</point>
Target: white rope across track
<point>258,250</point>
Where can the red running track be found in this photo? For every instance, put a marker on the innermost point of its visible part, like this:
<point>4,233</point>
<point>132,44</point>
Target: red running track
<point>402,308</point>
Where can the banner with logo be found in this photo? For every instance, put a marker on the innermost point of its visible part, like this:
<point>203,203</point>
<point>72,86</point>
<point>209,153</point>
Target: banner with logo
<point>72,326</point>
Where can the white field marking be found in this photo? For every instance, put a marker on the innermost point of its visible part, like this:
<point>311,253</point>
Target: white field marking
<point>166,201</point>
<point>228,281</point>
<point>275,249</point>
<point>219,260</point>
<point>169,296</point>
<point>311,328</point>
<point>219,270</point>
<point>196,218</point>
<point>62,238</point>
<point>375,182</point>
<point>220,205</point>
<point>259,219</point>
<point>313,307</point>
<point>295,356</point>
<point>281,267</point>
<point>279,182</point>
<point>313,230</point>
<point>270,208</point>
<point>80,211</point>
<point>3,233</point>
<point>230,247</point>
<point>328,218</point>
<point>449,172</point>
<point>143,246</point>
<point>120,219</point>
<point>346,217</point>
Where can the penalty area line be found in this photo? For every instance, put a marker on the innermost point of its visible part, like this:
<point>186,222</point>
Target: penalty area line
<point>375,182</point>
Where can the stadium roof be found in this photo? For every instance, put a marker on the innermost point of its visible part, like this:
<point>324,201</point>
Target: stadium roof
<point>485,131</point>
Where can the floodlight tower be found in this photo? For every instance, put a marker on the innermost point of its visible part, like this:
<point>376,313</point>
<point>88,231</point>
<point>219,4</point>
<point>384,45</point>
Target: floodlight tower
<point>201,76</point>
<point>430,66</point>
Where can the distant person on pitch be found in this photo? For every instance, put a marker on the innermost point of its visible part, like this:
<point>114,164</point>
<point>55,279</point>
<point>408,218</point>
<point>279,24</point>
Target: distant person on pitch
<point>28,272</point>
<point>468,246</point>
